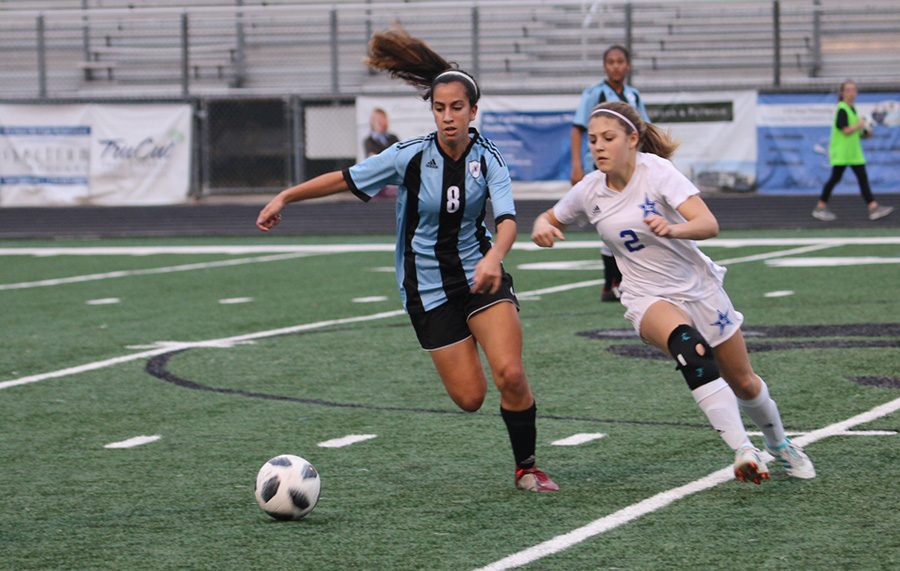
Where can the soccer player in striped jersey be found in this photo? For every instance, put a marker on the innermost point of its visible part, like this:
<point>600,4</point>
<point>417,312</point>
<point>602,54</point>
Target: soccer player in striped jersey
<point>617,66</point>
<point>650,214</point>
<point>450,275</point>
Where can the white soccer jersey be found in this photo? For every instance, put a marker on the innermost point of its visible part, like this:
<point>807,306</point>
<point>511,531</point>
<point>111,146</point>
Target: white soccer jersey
<point>650,265</point>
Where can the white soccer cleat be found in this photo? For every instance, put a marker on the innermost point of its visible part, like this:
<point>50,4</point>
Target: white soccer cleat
<point>824,214</point>
<point>880,212</point>
<point>795,461</point>
<point>749,466</point>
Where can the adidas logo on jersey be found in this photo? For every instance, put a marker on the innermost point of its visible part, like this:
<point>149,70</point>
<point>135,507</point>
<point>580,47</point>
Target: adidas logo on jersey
<point>596,209</point>
<point>431,164</point>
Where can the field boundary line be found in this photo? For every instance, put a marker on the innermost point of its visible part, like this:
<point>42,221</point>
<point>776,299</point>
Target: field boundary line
<point>176,346</point>
<point>289,252</point>
<point>229,341</point>
<point>152,271</point>
<point>389,247</point>
<point>663,499</point>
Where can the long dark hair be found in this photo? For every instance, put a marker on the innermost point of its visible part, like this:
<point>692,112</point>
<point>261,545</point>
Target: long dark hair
<point>410,59</point>
<point>651,139</point>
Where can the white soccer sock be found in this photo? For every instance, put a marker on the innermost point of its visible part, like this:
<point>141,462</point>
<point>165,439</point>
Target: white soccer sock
<point>763,411</point>
<point>718,403</point>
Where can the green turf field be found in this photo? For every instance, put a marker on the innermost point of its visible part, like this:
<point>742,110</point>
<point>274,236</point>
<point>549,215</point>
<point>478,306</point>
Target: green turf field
<point>292,360</point>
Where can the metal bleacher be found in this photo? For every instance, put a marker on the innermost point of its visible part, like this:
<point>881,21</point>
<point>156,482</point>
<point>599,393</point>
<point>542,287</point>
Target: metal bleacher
<point>169,48</point>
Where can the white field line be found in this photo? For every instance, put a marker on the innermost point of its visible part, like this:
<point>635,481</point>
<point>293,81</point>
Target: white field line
<point>663,499</point>
<point>346,440</point>
<point>557,289</point>
<point>224,342</point>
<point>228,341</point>
<point>845,433</point>
<point>779,293</point>
<point>132,442</point>
<point>832,262</point>
<point>389,247</point>
<point>579,438</point>
<point>290,251</point>
<point>776,254</point>
<point>150,271</point>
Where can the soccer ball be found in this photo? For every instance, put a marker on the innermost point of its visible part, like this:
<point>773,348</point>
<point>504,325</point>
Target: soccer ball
<point>287,487</point>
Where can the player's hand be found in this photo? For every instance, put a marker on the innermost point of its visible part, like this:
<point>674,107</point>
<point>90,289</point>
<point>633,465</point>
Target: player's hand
<point>659,226</point>
<point>545,234</point>
<point>488,275</point>
<point>270,215</point>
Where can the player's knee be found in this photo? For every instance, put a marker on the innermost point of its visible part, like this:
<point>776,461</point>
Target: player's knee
<point>745,385</point>
<point>510,378</point>
<point>469,403</point>
<point>693,355</point>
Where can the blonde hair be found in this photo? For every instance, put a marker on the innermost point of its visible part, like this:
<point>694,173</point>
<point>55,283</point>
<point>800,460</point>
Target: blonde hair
<point>651,139</point>
<point>410,59</point>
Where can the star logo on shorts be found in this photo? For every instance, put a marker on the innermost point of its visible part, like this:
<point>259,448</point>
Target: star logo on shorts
<point>723,321</point>
<point>648,206</point>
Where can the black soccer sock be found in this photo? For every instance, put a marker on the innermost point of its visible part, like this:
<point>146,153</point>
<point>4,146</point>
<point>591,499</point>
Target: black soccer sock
<point>609,271</point>
<point>522,434</point>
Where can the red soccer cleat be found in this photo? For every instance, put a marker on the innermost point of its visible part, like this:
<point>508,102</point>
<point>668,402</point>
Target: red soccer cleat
<point>534,480</point>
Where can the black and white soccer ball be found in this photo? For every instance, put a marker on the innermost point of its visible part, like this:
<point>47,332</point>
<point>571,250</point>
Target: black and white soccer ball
<point>287,487</point>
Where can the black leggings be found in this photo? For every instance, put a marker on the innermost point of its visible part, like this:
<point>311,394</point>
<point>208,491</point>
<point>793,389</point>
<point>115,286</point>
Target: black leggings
<point>837,171</point>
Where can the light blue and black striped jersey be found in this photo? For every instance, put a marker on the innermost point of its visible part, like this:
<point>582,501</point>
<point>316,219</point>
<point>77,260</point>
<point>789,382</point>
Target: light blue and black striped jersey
<point>441,233</point>
<point>595,95</point>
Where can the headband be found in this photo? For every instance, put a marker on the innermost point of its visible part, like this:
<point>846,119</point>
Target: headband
<point>461,75</point>
<point>616,114</point>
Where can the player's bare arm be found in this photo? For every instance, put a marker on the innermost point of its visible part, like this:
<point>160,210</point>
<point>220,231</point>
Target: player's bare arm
<point>547,229</point>
<point>322,185</point>
<point>700,222</point>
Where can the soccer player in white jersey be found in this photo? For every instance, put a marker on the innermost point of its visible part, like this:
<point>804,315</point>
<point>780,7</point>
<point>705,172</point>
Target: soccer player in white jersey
<point>617,67</point>
<point>450,275</point>
<point>650,214</point>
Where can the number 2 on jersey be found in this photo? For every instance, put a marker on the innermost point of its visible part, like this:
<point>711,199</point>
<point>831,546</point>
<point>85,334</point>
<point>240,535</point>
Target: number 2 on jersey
<point>632,242</point>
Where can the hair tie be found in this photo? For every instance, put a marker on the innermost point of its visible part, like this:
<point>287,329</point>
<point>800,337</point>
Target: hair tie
<point>459,74</point>
<point>617,114</point>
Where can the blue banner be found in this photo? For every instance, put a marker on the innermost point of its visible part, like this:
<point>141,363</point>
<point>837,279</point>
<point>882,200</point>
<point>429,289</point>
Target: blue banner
<point>793,132</point>
<point>535,144</point>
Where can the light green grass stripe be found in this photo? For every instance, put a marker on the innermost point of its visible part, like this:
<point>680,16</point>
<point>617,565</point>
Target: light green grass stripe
<point>663,499</point>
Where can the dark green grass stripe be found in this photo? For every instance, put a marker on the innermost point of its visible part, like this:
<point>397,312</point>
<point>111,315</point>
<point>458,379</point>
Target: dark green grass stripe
<point>157,367</point>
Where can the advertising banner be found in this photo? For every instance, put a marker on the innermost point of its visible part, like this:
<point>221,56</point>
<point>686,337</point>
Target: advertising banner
<point>717,134</point>
<point>793,133</point>
<point>61,155</point>
<point>44,154</point>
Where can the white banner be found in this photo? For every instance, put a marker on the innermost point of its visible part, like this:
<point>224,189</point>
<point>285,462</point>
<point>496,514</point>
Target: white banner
<point>717,134</point>
<point>44,154</point>
<point>112,155</point>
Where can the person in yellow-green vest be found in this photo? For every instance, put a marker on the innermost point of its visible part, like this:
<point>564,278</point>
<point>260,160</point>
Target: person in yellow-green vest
<point>845,151</point>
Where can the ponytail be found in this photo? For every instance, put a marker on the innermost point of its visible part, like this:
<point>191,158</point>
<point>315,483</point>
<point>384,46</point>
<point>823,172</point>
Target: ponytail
<point>657,142</point>
<point>410,59</point>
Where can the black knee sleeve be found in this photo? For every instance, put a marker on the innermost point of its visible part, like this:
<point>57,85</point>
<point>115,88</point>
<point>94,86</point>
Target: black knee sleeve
<point>697,369</point>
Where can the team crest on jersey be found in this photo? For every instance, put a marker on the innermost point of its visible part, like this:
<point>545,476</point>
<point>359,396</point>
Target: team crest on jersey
<point>648,206</point>
<point>475,168</point>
